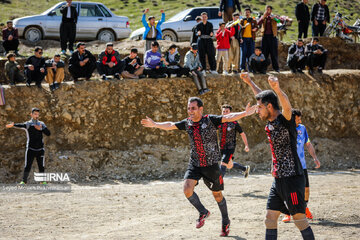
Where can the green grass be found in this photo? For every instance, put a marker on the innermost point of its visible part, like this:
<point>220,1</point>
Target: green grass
<point>133,8</point>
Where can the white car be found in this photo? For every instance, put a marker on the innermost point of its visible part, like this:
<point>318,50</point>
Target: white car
<point>95,21</point>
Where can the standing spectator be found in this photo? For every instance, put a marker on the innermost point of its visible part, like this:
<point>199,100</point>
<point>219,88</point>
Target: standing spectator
<point>303,17</point>
<point>10,38</point>
<point>319,16</point>
<point>133,66</point>
<point>205,43</point>
<point>192,62</point>
<point>248,34</point>
<point>222,48</point>
<point>81,63</point>
<point>194,36</point>
<point>68,26</point>
<point>316,56</point>
<point>55,72</point>
<point>296,59</point>
<point>269,43</point>
<point>258,62</point>
<point>153,62</point>
<point>12,69</point>
<point>110,63</point>
<point>227,8</point>
<point>35,70</point>
<point>152,29</point>
<point>172,62</point>
<point>235,41</point>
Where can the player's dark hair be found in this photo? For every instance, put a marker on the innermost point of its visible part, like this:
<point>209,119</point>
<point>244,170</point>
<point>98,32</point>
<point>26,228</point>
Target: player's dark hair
<point>221,23</point>
<point>173,46</point>
<point>247,9</point>
<point>35,110</point>
<point>79,44</point>
<point>269,6</point>
<point>134,50</point>
<point>37,48</point>
<point>227,106</point>
<point>268,96</point>
<point>10,55</point>
<point>315,39</point>
<point>296,112</point>
<point>198,18</point>
<point>197,100</point>
<point>155,44</point>
<point>57,55</point>
<point>258,48</point>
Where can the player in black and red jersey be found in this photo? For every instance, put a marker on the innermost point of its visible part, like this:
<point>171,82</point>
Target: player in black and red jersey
<point>204,155</point>
<point>227,136</point>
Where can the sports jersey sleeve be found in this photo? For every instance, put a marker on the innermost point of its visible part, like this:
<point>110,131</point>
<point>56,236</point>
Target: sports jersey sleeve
<point>238,128</point>
<point>44,129</point>
<point>306,137</point>
<point>20,125</point>
<point>181,125</point>
<point>216,120</point>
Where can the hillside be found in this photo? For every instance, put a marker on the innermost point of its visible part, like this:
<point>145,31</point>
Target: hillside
<point>132,8</point>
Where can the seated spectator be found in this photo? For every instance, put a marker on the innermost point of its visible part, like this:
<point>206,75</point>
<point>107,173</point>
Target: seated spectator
<point>222,48</point>
<point>35,70</point>
<point>12,70</point>
<point>172,62</point>
<point>10,38</point>
<point>153,62</point>
<point>258,63</point>
<point>296,59</point>
<point>55,72</point>
<point>81,63</point>
<point>109,63</point>
<point>316,56</point>
<point>133,67</point>
<point>193,64</point>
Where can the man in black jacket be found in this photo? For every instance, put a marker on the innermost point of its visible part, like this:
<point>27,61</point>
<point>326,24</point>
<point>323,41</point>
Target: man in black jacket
<point>110,63</point>
<point>194,36</point>
<point>35,68</point>
<point>81,63</point>
<point>316,55</point>
<point>68,26</point>
<point>35,145</point>
<point>303,17</point>
<point>319,16</point>
<point>296,59</point>
<point>172,63</point>
<point>227,8</point>
<point>133,66</point>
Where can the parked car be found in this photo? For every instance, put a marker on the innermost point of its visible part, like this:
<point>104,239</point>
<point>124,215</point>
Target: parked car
<point>178,28</point>
<point>95,21</point>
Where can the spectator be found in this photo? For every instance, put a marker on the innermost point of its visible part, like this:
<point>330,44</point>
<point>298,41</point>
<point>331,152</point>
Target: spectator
<point>12,69</point>
<point>258,62</point>
<point>192,62</point>
<point>152,29</point>
<point>319,16</point>
<point>68,26</point>
<point>55,72</point>
<point>227,8</point>
<point>153,62</point>
<point>133,66</point>
<point>222,48</point>
<point>110,63</point>
<point>248,34</point>
<point>269,43</point>
<point>35,70</point>
<point>81,63</point>
<point>194,36</point>
<point>235,41</point>
<point>205,43</point>
<point>10,38</point>
<point>303,17</point>
<point>316,56</point>
<point>296,59</point>
<point>172,62</point>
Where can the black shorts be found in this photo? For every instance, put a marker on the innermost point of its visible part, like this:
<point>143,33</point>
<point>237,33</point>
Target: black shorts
<point>306,178</point>
<point>287,195</point>
<point>211,175</point>
<point>226,155</point>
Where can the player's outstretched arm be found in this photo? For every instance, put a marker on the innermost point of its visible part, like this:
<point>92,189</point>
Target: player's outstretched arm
<point>246,78</point>
<point>16,125</point>
<point>311,150</point>
<point>283,98</point>
<point>231,117</point>
<point>10,125</point>
<point>148,122</point>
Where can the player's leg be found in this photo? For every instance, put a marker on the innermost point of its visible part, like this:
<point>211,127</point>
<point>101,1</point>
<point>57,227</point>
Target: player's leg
<point>40,158</point>
<point>225,158</point>
<point>271,224</point>
<point>303,225</point>
<point>29,158</point>
<point>307,194</point>
<point>245,169</point>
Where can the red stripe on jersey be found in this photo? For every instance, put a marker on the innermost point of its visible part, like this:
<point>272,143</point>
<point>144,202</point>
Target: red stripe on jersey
<point>199,145</point>
<point>274,160</point>
<point>223,135</point>
<point>221,180</point>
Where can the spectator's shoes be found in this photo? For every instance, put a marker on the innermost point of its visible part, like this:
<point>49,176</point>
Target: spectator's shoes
<point>293,70</point>
<point>214,72</point>
<point>320,70</point>
<point>286,219</point>
<point>234,72</point>
<point>162,76</point>
<point>311,72</point>
<point>142,76</point>
<point>52,87</point>
<point>57,85</point>
<point>299,70</point>
<point>39,85</point>
<point>12,84</point>
<point>277,70</point>
<point>225,73</point>
<point>206,90</point>
<point>201,221</point>
<point>28,84</point>
<point>201,92</point>
<point>103,77</point>
<point>117,76</point>
<point>22,183</point>
<point>225,230</point>
<point>247,171</point>
<point>71,52</point>
<point>263,72</point>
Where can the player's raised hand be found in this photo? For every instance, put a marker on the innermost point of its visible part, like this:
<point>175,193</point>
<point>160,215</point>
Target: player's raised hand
<point>148,122</point>
<point>162,10</point>
<point>317,163</point>
<point>10,125</point>
<point>250,110</point>
<point>38,127</point>
<point>247,149</point>
<point>245,77</point>
<point>146,10</point>
<point>274,83</point>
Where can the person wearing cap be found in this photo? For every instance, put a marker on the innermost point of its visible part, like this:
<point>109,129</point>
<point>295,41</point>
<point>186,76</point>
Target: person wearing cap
<point>222,48</point>
<point>194,36</point>
<point>152,29</point>
<point>296,59</point>
<point>133,66</point>
<point>35,69</point>
<point>227,8</point>
<point>68,26</point>
<point>319,16</point>
<point>248,35</point>
<point>172,62</point>
<point>110,62</point>
<point>235,41</point>
<point>55,72</point>
<point>10,38</point>
<point>12,69</point>
<point>193,64</point>
<point>34,145</point>
<point>81,63</point>
<point>153,62</point>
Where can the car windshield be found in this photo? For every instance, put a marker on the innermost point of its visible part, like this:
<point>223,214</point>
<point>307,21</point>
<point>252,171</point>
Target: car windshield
<point>180,15</point>
<point>50,9</point>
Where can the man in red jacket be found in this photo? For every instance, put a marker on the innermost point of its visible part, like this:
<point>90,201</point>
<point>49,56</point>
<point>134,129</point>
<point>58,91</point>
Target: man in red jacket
<point>222,48</point>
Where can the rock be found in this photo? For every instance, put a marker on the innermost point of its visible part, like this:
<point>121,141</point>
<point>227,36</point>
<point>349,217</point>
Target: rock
<point>66,115</point>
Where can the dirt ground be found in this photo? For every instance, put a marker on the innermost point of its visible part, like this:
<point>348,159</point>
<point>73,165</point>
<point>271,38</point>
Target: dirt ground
<point>158,210</point>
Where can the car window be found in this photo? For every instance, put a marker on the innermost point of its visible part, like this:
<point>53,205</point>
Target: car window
<point>197,12</point>
<point>213,13</point>
<point>105,11</point>
<point>180,15</point>
<point>57,10</point>
<point>90,10</point>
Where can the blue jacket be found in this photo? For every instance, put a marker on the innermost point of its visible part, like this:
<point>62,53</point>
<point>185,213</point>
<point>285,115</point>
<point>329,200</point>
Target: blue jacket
<point>157,26</point>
